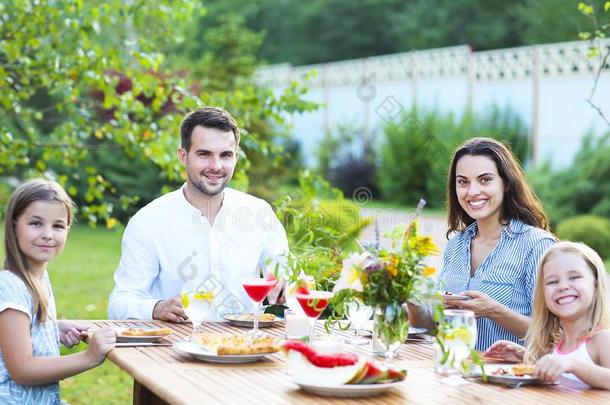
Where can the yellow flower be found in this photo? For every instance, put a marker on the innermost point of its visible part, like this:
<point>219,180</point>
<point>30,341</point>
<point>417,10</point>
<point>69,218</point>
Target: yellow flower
<point>392,265</point>
<point>425,246</point>
<point>428,271</point>
<point>111,222</point>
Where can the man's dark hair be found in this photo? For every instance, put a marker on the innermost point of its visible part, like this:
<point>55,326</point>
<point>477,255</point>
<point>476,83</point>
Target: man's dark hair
<point>208,117</point>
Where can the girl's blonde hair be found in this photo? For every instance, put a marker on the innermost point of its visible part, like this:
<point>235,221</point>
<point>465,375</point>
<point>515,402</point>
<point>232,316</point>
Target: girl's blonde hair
<point>545,331</point>
<point>16,261</point>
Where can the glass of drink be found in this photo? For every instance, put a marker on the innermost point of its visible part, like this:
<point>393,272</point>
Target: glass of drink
<point>257,289</point>
<point>197,306</point>
<point>357,314</point>
<point>296,324</point>
<point>313,304</point>
<point>458,334</point>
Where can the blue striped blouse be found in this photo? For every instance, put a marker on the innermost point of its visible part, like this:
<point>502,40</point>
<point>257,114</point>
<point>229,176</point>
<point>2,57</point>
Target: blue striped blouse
<point>507,275</point>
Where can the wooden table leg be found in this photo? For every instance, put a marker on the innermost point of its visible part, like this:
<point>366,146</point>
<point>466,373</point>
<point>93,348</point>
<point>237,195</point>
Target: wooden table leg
<point>143,396</point>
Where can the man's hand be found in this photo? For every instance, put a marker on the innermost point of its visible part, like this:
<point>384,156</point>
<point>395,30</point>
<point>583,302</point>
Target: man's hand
<point>71,333</point>
<point>170,310</point>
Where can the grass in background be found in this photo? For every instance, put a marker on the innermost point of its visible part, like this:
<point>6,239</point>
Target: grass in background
<point>82,278</point>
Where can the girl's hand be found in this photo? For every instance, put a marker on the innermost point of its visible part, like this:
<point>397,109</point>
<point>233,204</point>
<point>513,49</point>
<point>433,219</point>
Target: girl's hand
<point>506,350</point>
<point>480,304</point>
<point>100,343</point>
<point>550,367</point>
<point>71,333</point>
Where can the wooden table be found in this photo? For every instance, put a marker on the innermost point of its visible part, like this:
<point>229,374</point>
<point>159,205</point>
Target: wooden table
<point>163,375</point>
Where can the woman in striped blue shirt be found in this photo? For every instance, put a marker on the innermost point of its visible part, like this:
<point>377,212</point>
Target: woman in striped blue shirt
<point>501,232</point>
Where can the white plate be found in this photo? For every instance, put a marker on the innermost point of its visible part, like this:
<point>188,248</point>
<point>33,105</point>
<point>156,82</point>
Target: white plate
<point>348,390</point>
<point>507,379</point>
<point>250,324</point>
<point>205,355</point>
<point>456,297</point>
<point>135,339</point>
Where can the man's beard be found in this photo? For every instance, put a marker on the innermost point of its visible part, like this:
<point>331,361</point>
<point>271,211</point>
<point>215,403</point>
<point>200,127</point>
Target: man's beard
<point>204,189</point>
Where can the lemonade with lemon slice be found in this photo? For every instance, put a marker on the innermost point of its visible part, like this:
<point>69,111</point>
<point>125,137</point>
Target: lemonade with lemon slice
<point>458,334</point>
<point>197,305</point>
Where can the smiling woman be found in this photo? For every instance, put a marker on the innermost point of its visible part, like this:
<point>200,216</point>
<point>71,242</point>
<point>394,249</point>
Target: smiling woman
<point>500,232</point>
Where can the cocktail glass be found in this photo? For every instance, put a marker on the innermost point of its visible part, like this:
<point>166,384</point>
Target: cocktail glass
<point>313,304</point>
<point>197,306</point>
<point>257,289</point>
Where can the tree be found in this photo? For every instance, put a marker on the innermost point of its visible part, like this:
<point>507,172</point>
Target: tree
<point>64,66</point>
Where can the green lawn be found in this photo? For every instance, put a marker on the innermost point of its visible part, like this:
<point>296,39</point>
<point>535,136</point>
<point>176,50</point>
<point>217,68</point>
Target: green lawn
<point>82,280</point>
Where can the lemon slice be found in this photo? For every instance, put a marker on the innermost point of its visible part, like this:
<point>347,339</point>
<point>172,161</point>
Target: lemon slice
<point>463,334</point>
<point>204,295</point>
<point>185,300</point>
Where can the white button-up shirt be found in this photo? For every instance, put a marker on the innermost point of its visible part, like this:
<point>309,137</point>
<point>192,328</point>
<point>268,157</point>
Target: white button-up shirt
<point>168,244</point>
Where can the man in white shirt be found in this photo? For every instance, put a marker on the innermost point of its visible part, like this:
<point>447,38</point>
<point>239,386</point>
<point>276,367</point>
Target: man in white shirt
<point>202,235</point>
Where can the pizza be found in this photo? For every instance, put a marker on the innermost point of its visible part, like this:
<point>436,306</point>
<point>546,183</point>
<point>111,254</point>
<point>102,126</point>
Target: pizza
<point>146,332</point>
<point>237,344</point>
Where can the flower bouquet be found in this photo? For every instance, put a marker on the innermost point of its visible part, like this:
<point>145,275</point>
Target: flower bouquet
<point>386,279</point>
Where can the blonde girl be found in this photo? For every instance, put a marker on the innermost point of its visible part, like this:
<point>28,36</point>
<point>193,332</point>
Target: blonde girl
<point>569,333</point>
<point>38,218</point>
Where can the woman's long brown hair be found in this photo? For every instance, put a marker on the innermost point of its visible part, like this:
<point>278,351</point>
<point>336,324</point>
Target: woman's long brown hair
<point>16,261</point>
<point>520,202</point>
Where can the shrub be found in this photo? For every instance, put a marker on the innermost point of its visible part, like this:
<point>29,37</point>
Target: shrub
<point>582,188</point>
<point>317,215</point>
<point>592,230</point>
<point>347,160</point>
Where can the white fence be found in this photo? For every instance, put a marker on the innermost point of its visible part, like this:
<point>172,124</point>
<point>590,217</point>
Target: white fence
<point>547,85</point>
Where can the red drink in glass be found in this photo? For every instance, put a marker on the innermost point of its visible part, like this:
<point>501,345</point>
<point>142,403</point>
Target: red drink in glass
<point>313,304</point>
<point>258,288</point>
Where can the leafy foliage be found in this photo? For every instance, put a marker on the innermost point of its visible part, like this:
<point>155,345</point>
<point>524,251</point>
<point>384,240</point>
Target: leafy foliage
<point>308,32</point>
<point>82,80</point>
<point>312,220</point>
<point>582,188</point>
<point>591,230</point>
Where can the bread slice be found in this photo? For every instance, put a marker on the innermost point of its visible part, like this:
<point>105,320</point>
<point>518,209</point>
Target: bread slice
<point>523,369</point>
<point>146,332</point>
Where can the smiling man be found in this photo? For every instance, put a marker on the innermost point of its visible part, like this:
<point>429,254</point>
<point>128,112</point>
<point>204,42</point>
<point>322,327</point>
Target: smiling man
<point>202,238</point>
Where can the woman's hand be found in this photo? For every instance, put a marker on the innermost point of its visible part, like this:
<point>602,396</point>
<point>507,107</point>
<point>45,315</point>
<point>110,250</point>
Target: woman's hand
<point>550,367</point>
<point>479,303</point>
<point>506,350</point>
<point>71,333</point>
